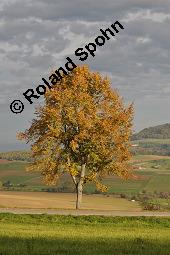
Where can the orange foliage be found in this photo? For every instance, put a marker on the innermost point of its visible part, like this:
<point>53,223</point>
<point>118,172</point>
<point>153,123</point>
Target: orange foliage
<point>83,120</point>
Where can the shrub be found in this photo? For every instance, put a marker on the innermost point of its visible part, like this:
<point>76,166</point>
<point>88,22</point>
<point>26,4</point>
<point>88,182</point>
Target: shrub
<point>152,207</point>
<point>123,195</point>
<point>164,195</point>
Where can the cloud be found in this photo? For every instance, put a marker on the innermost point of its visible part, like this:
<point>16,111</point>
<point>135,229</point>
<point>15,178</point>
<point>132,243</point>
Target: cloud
<point>36,36</point>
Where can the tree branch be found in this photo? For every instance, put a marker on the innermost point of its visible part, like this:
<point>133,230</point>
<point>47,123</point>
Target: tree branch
<point>74,179</point>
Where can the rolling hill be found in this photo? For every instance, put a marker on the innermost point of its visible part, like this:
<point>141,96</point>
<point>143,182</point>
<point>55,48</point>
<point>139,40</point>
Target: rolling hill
<point>157,132</point>
<point>153,173</point>
<point>153,170</point>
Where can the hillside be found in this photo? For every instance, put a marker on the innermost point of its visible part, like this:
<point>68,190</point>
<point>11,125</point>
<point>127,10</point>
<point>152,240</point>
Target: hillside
<point>16,155</point>
<point>156,132</point>
<point>153,175</point>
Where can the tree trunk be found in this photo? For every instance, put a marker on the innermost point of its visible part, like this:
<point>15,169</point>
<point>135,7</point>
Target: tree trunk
<point>79,195</point>
<point>79,187</point>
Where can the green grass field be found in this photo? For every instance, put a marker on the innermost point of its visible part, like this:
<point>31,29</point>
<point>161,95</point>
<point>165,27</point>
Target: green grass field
<point>152,140</point>
<point>153,170</point>
<point>83,235</point>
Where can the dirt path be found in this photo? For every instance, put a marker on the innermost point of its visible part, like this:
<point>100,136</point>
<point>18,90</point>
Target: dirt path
<point>83,212</point>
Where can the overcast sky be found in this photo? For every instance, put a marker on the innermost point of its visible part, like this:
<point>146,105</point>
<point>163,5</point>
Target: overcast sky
<point>36,36</point>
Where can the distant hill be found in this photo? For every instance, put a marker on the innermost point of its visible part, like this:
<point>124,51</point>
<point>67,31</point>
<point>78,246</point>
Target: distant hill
<point>16,155</point>
<point>157,132</point>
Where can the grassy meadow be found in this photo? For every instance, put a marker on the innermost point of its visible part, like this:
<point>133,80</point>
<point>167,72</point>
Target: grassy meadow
<point>153,172</point>
<point>87,235</point>
<point>153,140</point>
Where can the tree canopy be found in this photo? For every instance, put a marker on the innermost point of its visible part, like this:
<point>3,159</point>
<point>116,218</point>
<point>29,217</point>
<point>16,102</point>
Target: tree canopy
<point>83,129</point>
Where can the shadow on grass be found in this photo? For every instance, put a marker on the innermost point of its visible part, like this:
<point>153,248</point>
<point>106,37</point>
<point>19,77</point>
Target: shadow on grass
<point>100,246</point>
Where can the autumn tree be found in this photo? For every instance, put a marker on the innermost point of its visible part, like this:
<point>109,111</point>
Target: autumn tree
<point>83,129</point>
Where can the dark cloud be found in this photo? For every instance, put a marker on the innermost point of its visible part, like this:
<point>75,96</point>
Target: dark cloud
<point>83,10</point>
<point>36,36</point>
